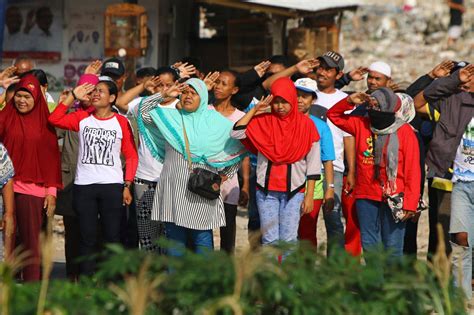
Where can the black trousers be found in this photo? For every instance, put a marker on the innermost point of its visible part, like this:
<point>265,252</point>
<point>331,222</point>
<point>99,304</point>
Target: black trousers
<point>94,204</point>
<point>71,245</point>
<point>228,231</point>
<point>439,212</point>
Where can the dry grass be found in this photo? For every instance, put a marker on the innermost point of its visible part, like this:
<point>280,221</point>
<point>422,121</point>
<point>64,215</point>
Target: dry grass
<point>139,290</point>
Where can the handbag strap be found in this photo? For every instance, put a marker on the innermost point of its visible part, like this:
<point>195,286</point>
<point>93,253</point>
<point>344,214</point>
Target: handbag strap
<point>186,142</point>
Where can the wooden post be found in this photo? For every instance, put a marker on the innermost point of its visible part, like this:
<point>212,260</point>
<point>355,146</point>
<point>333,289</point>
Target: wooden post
<point>277,32</point>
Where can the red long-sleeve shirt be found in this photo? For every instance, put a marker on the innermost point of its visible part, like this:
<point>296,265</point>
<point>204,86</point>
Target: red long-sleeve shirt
<point>101,141</point>
<point>367,187</point>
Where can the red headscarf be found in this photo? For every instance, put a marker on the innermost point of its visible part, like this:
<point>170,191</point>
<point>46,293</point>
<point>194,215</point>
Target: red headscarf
<point>31,142</point>
<point>282,140</point>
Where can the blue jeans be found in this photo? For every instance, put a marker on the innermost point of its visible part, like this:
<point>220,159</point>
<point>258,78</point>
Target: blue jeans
<point>333,219</point>
<point>377,227</point>
<point>202,240</point>
<point>279,217</point>
<point>462,220</point>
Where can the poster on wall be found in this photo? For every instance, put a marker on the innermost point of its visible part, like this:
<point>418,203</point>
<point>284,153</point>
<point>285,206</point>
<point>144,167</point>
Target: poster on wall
<point>85,34</point>
<point>33,27</point>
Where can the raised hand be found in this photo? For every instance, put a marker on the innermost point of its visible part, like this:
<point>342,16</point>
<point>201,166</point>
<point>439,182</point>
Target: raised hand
<point>392,85</point>
<point>210,79</point>
<point>93,67</point>
<point>175,90</point>
<point>82,92</point>
<point>63,96</point>
<point>186,70</point>
<point>8,72</point>
<point>9,81</point>
<point>466,74</point>
<point>306,66</point>
<point>151,84</point>
<point>442,70</point>
<point>262,67</point>
<point>177,64</point>
<point>358,98</point>
<point>358,73</point>
<point>263,106</point>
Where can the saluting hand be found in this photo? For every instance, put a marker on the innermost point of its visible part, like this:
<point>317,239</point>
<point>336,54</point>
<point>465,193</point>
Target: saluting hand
<point>358,73</point>
<point>186,70</point>
<point>82,92</point>
<point>174,91</point>
<point>151,84</point>
<point>466,74</point>
<point>358,98</point>
<point>262,67</point>
<point>442,70</point>
<point>263,105</point>
<point>210,79</point>
<point>93,67</point>
<point>306,66</point>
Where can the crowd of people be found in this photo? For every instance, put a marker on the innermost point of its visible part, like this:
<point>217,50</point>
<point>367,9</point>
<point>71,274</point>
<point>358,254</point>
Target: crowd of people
<point>175,155</point>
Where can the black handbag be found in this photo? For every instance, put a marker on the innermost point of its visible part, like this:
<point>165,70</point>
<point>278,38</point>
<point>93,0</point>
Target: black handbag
<point>205,183</point>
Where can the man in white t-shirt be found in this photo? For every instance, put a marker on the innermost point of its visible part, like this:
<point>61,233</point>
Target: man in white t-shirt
<point>329,71</point>
<point>149,168</point>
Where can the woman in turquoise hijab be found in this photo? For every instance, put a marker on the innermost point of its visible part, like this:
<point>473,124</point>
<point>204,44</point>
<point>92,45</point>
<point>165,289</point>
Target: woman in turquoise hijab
<point>186,214</point>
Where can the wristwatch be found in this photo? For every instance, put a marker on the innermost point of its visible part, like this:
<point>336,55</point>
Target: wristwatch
<point>127,185</point>
<point>331,186</point>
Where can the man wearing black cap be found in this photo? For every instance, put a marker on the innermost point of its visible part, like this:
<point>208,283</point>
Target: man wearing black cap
<point>115,69</point>
<point>329,71</point>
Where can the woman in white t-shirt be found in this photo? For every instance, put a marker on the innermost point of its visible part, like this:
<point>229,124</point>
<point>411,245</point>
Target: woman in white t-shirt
<point>227,85</point>
<point>101,189</point>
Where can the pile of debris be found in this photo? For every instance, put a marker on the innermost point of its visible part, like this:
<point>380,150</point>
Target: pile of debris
<point>412,40</point>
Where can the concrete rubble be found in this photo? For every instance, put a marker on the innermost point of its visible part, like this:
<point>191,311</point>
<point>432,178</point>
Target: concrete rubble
<point>411,39</point>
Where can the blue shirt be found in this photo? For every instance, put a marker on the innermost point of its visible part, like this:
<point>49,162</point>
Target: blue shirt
<point>253,157</point>
<point>326,142</point>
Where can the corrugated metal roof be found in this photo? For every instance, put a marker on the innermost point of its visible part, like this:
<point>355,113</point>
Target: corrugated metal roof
<point>308,5</point>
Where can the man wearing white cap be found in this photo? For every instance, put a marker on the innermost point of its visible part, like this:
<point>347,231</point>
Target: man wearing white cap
<point>379,76</point>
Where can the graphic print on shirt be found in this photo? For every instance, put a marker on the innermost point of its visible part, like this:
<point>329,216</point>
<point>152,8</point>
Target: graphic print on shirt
<point>464,161</point>
<point>369,152</point>
<point>468,144</point>
<point>98,145</point>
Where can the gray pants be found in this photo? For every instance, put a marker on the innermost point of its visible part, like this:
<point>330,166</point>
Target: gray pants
<point>462,221</point>
<point>333,219</point>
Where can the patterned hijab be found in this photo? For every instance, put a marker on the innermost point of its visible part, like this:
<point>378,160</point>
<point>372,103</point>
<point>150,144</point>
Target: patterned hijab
<point>387,138</point>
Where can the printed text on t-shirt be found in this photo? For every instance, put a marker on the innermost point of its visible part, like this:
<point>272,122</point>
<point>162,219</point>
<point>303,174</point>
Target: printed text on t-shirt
<point>98,144</point>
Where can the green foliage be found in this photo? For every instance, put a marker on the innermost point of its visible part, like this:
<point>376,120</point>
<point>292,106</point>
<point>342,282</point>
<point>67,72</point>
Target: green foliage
<point>254,283</point>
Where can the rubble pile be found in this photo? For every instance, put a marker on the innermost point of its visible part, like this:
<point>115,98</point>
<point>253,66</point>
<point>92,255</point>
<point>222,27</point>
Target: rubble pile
<point>411,40</point>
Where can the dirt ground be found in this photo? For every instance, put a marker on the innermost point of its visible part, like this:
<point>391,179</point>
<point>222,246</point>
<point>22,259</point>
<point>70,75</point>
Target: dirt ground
<point>242,235</point>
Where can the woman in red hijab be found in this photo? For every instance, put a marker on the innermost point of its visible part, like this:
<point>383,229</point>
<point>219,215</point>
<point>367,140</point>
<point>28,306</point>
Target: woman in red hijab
<point>33,148</point>
<point>287,145</point>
